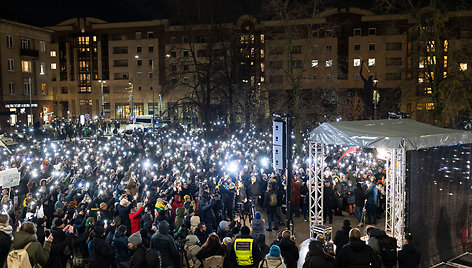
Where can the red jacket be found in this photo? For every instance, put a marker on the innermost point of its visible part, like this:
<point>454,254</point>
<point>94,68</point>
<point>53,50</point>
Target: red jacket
<point>134,219</point>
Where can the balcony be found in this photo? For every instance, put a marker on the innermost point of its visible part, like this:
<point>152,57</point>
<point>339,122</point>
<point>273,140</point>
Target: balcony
<point>29,52</point>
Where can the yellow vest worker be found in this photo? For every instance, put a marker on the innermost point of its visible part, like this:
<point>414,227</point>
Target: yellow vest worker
<point>243,251</point>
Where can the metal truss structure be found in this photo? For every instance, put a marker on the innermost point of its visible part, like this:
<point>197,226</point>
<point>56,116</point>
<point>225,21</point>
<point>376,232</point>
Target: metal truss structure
<point>395,194</point>
<point>395,190</point>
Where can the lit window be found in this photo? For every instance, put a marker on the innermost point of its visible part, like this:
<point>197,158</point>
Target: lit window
<point>44,89</point>
<point>420,80</point>
<point>421,64</point>
<point>53,66</point>
<point>43,68</point>
<point>262,67</point>
<point>430,106</point>
<point>463,66</point>
<point>357,62</point>
<point>53,53</point>
<point>329,63</point>
<point>95,38</point>
<point>26,66</point>
<point>314,63</point>
<point>372,62</point>
<point>428,91</point>
<point>262,39</point>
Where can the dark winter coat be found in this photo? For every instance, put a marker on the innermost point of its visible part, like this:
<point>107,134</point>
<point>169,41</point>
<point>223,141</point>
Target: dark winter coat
<point>341,238</point>
<point>256,253</point>
<point>124,212</point>
<point>289,252</point>
<point>316,258</point>
<point>357,254</point>
<point>215,251</point>
<point>257,228</point>
<point>359,196</point>
<point>5,244</point>
<point>267,206</point>
<point>206,211</point>
<point>138,259</point>
<point>37,253</point>
<point>120,245</point>
<point>350,192</point>
<point>102,255</point>
<point>329,198</point>
<point>164,243</point>
<point>408,257</point>
<point>59,244</point>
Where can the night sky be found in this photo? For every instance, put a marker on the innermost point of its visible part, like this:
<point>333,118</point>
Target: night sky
<point>51,12</point>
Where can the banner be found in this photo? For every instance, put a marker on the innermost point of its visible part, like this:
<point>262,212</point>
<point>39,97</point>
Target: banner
<point>9,178</point>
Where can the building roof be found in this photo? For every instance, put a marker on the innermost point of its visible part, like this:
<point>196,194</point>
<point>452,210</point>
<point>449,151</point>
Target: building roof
<point>388,134</point>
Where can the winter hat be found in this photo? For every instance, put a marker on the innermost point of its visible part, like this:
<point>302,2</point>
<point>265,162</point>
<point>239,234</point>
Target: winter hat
<point>274,251</point>
<point>103,206</point>
<point>347,222</point>
<point>124,202</point>
<point>227,240</point>
<point>257,215</point>
<point>223,224</point>
<point>57,222</point>
<point>139,205</point>
<point>89,221</point>
<point>245,230</point>
<point>135,238</point>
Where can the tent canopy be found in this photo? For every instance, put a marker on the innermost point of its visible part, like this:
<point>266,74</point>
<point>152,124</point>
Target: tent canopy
<point>388,134</point>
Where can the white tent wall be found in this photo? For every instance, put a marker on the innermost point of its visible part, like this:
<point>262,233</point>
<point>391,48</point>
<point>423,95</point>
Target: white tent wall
<point>395,136</point>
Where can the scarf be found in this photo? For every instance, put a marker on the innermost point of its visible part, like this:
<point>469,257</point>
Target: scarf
<point>7,230</point>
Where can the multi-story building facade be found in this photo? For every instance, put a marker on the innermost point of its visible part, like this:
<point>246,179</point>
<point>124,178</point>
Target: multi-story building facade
<point>107,68</point>
<point>25,72</point>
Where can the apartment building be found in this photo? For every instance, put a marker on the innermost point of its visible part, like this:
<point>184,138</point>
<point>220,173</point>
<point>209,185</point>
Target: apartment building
<point>25,73</point>
<point>110,69</point>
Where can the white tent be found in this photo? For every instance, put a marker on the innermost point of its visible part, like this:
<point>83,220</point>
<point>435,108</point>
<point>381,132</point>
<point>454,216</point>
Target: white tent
<point>388,134</point>
<point>397,136</point>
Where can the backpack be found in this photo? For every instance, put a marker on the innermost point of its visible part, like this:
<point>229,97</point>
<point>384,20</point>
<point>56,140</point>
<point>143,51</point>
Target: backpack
<point>388,249</point>
<point>273,200</point>
<point>19,258</point>
<point>215,261</point>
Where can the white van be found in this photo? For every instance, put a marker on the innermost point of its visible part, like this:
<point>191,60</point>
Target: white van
<point>141,121</point>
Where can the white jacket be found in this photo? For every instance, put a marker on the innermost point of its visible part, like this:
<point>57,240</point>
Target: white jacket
<point>272,262</point>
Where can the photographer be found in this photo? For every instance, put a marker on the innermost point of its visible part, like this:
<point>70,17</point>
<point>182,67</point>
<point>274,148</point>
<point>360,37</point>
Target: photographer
<point>206,209</point>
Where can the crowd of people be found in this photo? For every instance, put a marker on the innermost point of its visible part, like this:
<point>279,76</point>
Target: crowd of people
<point>171,197</point>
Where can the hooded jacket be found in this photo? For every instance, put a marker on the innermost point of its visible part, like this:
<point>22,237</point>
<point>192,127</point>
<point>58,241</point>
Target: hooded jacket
<point>192,248</point>
<point>316,258</point>
<point>289,251</point>
<point>179,218</point>
<point>341,238</point>
<point>409,257</point>
<point>37,254</point>
<point>164,243</point>
<point>257,227</point>
<point>357,254</point>
<point>120,244</point>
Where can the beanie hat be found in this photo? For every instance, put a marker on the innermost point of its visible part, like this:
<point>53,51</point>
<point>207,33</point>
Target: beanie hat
<point>89,221</point>
<point>227,240</point>
<point>57,222</point>
<point>347,222</point>
<point>122,229</point>
<point>258,215</point>
<point>103,206</point>
<point>124,202</point>
<point>245,230</point>
<point>135,238</point>
<point>223,224</point>
<point>274,251</point>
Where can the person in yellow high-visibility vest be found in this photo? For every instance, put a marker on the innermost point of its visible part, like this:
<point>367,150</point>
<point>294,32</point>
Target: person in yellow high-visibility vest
<point>244,251</point>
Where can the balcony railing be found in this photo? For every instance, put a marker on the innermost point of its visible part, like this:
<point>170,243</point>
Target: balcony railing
<point>29,52</point>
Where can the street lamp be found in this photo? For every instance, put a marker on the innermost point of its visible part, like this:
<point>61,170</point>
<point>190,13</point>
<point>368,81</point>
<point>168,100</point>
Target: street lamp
<point>103,98</point>
<point>132,101</point>
<point>376,97</point>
